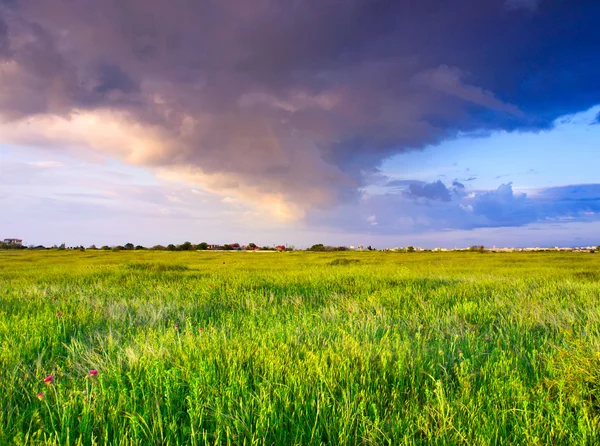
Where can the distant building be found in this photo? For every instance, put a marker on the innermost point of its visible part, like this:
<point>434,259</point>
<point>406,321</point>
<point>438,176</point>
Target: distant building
<point>13,242</point>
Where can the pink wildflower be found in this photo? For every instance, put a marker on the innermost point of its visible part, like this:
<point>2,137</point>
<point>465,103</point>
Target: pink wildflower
<point>40,396</point>
<point>49,379</point>
<point>93,372</point>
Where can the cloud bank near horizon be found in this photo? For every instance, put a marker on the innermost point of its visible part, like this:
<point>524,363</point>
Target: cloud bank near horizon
<point>289,105</point>
<point>110,204</point>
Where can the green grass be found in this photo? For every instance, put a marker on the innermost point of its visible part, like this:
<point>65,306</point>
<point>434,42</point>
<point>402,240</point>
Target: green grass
<point>299,348</point>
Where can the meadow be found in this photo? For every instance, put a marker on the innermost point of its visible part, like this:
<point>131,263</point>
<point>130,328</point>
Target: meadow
<point>299,348</point>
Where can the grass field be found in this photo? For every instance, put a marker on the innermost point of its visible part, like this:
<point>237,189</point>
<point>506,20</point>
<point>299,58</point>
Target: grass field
<point>299,348</point>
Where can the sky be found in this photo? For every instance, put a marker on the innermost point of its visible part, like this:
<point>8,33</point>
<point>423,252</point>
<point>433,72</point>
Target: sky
<point>373,122</point>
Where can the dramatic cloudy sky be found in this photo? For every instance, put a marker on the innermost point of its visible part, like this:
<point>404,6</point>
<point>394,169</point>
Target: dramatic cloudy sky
<point>378,122</point>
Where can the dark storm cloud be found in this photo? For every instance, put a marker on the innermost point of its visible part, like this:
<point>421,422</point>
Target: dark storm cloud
<point>112,78</point>
<point>297,99</point>
<point>4,43</point>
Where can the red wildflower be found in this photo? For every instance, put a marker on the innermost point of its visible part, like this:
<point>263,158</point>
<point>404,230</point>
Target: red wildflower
<point>40,396</point>
<point>93,372</point>
<point>59,314</point>
<point>49,379</point>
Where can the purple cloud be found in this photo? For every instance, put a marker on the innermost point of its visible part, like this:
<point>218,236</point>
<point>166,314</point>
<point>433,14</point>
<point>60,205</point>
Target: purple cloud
<point>434,207</point>
<point>431,191</point>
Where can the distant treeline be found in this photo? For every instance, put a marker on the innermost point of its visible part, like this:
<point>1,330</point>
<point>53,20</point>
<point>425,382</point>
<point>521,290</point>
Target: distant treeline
<point>11,246</point>
<point>204,246</point>
<point>324,248</point>
<point>186,246</point>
